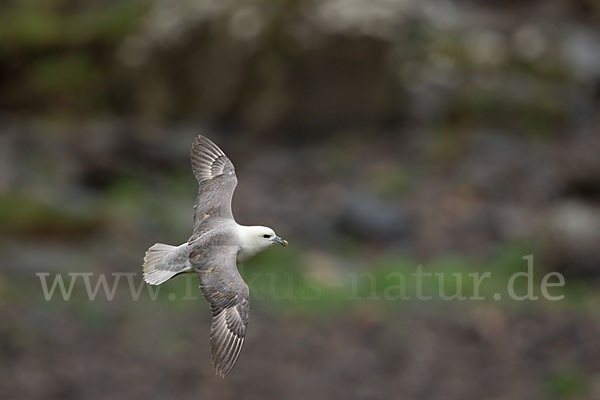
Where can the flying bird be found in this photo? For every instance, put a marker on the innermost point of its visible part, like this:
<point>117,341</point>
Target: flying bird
<point>217,243</point>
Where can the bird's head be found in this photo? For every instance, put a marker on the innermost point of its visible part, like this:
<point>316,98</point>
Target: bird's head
<point>259,238</point>
<point>267,237</point>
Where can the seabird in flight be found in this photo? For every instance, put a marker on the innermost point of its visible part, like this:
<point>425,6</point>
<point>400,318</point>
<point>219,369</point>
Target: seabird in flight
<point>216,245</point>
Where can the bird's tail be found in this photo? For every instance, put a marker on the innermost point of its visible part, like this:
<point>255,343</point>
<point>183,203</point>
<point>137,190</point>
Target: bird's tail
<point>156,270</point>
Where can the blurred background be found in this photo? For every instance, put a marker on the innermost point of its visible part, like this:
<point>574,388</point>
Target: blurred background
<point>375,136</point>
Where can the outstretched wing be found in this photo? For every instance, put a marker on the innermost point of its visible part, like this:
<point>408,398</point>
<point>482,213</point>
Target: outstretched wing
<point>216,176</point>
<point>227,294</point>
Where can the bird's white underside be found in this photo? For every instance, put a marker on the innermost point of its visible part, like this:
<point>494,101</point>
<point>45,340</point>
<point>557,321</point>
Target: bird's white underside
<point>157,270</point>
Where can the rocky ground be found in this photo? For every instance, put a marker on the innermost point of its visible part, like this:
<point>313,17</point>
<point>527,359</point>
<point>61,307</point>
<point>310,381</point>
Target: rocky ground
<point>136,351</point>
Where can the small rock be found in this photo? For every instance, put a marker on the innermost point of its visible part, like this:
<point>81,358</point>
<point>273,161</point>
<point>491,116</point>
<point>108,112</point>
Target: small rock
<point>569,235</point>
<point>369,218</point>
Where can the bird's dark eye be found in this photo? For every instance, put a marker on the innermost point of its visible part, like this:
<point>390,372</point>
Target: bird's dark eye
<point>266,236</point>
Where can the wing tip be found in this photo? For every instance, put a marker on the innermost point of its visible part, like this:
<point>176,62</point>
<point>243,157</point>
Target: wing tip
<point>202,141</point>
<point>222,371</point>
<point>226,347</point>
<point>207,159</point>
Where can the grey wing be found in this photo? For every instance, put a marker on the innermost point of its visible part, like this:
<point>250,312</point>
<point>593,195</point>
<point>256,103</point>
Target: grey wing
<point>227,294</point>
<point>217,181</point>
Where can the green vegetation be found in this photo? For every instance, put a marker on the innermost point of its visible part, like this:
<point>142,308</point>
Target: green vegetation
<point>24,215</point>
<point>281,277</point>
<point>567,383</point>
<point>29,25</point>
<point>285,280</point>
<point>60,59</point>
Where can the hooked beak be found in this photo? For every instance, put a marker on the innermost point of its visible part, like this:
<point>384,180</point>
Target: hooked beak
<point>280,241</point>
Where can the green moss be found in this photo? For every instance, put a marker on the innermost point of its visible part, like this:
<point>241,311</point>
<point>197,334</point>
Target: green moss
<point>73,72</point>
<point>24,25</point>
<point>277,278</point>
<point>390,180</point>
<point>567,383</point>
<point>27,29</point>
<point>22,215</point>
<point>109,23</point>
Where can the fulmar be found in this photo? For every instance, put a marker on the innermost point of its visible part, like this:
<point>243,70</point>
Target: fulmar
<point>217,243</point>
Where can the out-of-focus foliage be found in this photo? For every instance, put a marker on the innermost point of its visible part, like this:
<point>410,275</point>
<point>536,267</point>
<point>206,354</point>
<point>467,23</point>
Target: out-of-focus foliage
<point>302,64</point>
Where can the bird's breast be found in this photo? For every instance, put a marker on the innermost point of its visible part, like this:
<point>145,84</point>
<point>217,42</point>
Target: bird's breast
<point>246,253</point>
